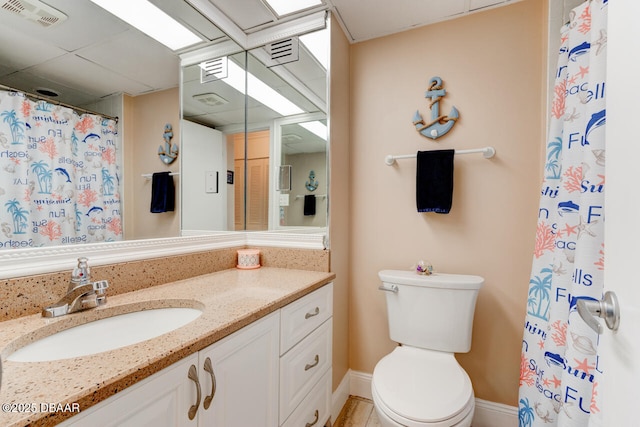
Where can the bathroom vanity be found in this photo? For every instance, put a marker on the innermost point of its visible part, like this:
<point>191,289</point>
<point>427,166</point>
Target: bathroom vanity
<point>259,355</point>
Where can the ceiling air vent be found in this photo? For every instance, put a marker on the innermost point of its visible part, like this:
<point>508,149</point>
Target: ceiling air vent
<point>34,11</point>
<point>282,51</point>
<point>214,69</point>
<point>210,99</point>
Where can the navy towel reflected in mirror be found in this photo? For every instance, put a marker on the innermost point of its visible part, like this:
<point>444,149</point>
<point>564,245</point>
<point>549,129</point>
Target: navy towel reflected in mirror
<point>309,205</point>
<point>163,192</point>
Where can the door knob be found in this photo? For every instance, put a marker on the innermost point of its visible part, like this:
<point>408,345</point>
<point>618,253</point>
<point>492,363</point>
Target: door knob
<point>608,309</point>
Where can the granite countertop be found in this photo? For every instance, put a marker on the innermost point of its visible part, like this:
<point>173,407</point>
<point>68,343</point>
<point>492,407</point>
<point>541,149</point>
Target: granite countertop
<point>229,300</point>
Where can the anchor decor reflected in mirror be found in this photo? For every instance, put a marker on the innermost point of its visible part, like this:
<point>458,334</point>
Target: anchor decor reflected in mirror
<point>439,125</point>
<point>312,183</point>
<point>168,152</point>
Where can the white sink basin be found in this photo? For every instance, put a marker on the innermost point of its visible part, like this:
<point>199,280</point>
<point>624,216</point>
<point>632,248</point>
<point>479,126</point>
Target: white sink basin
<point>106,334</point>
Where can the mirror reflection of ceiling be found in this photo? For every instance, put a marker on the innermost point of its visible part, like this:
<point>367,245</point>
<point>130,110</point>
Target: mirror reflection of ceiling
<point>297,139</point>
<point>220,104</point>
<point>92,54</point>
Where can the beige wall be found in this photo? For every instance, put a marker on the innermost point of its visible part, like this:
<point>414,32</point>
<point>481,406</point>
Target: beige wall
<point>145,117</point>
<point>339,176</point>
<point>492,65</point>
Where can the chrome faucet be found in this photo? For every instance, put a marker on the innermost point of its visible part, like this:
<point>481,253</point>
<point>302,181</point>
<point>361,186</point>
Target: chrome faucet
<point>82,293</point>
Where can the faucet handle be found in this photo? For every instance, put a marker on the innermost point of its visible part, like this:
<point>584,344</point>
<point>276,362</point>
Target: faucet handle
<point>100,286</point>
<point>81,274</point>
<point>100,289</point>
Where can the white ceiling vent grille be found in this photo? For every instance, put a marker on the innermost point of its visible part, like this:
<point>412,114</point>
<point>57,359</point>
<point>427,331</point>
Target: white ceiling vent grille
<point>214,69</point>
<point>210,99</point>
<point>283,51</point>
<point>34,11</point>
<point>291,137</point>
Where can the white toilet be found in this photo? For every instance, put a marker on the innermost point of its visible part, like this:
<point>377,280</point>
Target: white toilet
<point>420,383</point>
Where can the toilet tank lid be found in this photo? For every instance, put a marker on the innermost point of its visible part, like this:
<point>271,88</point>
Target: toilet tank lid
<point>435,280</point>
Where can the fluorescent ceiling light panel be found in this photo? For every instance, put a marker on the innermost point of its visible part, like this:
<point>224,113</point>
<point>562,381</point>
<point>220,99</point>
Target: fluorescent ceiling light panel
<point>285,7</point>
<point>260,91</point>
<point>317,128</point>
<point>318,44</point>
<point>152,21</point>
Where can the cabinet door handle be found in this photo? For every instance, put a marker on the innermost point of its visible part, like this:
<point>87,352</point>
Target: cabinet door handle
<point>193,376</point>
<point>208,368</point>
<point>317,417</point>
<point>312,313</point>
<point>315,362</point>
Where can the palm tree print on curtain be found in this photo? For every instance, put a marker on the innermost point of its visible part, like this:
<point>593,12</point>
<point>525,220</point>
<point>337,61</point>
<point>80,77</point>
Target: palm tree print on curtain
<point>59,176</point>
<point>560,368</point>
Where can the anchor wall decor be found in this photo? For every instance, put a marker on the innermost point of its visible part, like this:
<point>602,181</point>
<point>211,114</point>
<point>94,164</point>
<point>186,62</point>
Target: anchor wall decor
<point>169,152</point>
<point>312,184</point>
<point>439,124</point>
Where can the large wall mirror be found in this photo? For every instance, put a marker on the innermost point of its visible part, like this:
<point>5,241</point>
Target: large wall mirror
<point>246,115</point>
<point>96,61</point>
<point>90,60</point>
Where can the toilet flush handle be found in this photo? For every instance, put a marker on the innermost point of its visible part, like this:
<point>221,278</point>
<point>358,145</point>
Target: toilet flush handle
<point>393,288</point>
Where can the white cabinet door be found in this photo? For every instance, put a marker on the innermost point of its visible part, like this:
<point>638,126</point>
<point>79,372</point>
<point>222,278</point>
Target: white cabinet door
<point>162,400</point>
<point>245,367</point>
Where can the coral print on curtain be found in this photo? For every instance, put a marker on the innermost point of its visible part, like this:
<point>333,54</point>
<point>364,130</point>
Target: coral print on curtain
<point>59,179</point>
<point>560,366</point>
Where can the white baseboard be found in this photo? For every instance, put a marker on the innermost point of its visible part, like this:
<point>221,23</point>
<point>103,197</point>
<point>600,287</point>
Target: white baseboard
<point>340,397</point>
<point>492,414</point>
<point>487,414</point>
<point>360,384</point>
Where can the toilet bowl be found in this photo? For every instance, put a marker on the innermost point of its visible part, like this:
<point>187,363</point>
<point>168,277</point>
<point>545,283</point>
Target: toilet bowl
<point>421,388</point>
<point>420,383</point>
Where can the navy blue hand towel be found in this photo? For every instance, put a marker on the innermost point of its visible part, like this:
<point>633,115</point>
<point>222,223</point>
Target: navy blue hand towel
<point>434,181</point>
<point>163,192</point>
<point>309,205</point>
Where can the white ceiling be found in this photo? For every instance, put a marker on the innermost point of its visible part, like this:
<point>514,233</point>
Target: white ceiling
<point>368,19</point>
<point>93,54</point>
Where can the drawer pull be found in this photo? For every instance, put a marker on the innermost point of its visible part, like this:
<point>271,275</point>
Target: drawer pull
<point>193,375</point>
<point>317,417</point>
<point>208,368</point>
<point>313,364</point>
<point>312,313</point>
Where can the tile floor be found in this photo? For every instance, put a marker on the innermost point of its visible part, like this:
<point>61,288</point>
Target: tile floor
<point>357,412</point>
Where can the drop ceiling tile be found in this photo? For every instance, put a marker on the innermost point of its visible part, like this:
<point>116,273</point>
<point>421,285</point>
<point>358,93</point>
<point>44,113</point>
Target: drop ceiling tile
<point>28,82</point>
<point>88,76</point>
<point>86,24</point>
<point>27,50</point>
<point>4,70</point>
<point>137,57</point>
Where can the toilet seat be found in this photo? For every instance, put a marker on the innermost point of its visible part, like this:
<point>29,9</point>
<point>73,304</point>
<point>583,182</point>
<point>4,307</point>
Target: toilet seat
<point>418,387</point>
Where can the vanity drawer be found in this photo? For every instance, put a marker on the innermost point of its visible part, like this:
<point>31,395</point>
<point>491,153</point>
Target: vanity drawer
<point>303,366</point>
<point>301,317</point>
<point>315,409</point>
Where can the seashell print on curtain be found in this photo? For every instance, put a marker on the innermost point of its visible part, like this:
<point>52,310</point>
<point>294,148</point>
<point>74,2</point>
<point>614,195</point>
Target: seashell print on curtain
<point>59,179</point>
<point>560,366</point>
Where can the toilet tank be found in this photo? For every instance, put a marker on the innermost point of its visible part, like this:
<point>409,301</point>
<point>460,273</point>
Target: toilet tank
<point>433,312</point>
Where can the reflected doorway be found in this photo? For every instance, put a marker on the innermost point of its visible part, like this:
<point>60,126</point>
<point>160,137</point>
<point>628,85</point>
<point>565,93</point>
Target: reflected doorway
<point>251,208</point>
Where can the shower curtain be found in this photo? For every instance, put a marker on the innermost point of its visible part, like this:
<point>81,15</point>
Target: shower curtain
<point>560,367</point>
<point>59,179</point>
